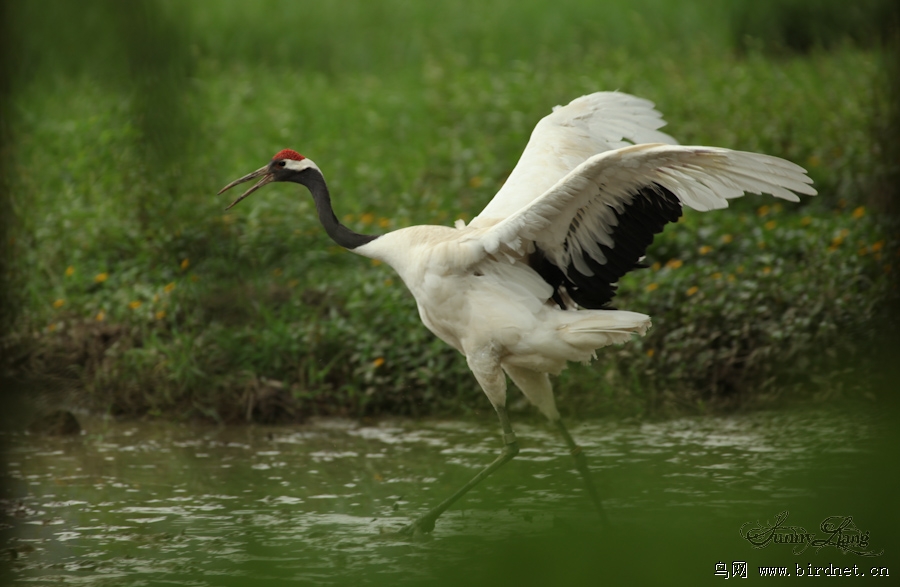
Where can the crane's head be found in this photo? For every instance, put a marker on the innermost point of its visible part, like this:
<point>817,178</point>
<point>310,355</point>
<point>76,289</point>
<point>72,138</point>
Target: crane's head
<point>286,165</point>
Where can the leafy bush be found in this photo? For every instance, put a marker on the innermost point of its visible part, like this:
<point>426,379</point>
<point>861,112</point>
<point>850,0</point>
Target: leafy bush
<point>142,296</point>
<point>747,304</point>
<point>804,25</point>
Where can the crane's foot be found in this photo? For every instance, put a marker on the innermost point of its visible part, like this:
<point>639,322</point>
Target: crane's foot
<point>425,523</point>
<point>422,525</point>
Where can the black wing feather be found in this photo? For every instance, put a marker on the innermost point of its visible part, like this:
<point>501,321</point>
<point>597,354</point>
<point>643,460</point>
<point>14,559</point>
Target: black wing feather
<point>651,208</point>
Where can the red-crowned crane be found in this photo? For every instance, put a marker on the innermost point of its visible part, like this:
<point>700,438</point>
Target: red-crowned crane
<point>525,287</point>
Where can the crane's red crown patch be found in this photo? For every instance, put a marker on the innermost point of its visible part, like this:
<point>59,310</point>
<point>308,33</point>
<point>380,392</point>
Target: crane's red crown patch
<point>288,154</point>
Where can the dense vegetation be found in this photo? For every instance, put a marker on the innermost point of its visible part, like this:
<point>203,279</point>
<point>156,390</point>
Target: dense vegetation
<point>138,294</point>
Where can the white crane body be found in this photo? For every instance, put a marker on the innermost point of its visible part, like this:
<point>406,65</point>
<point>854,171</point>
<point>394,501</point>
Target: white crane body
<point>457,285</point>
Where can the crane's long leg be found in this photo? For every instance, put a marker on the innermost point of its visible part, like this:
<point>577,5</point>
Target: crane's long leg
<point>425,523</point>
<point>537,388</point>
<point>581,465</point>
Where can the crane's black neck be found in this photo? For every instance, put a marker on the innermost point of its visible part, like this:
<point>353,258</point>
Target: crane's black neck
<point>339,233</point>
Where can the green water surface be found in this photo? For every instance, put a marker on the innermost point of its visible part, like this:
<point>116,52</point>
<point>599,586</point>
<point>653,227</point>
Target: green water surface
<point>172,504</point>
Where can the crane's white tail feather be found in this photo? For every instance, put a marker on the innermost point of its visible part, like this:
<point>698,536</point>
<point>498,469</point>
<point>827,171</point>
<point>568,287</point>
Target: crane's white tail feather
<point>588,330</point>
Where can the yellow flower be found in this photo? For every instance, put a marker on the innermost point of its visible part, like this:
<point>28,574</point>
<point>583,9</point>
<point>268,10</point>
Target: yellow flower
<point>51,327</point>
<point>770,224</point>
<point>652,287</point>
<point>161,314</point>
<point>705,249</point>
<point>389,282</point>
<point>674,263</point>
<point>763,210</point>
<point>70,271</point>
<point>805,221</point>
<point>185,263</point>
<point>859,212</point>
<point>475,182</point>
<point>692,290</point>
<point>367,218</point>
<point>101,277</point>
<point>766,270</point>
<point>813,161</point>
<point>169,287</point>
<point>730,278</point>
<point>877,246</point>
<point>717,275</point>
<point>135,304</point>
<point>656,266</point>
<point>59,303</point>
<point>727,238</point>
<point>100,316</point>
<point>378,362</point>
<point>650,353</point>
<point>384,222</point>
<point>376,262</point>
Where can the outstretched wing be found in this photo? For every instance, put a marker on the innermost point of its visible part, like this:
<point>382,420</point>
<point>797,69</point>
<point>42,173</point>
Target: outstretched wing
<point>569,136</point>
<point>595,224</point>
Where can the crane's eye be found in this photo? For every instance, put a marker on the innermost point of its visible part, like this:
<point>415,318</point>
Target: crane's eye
<point>281,164</point>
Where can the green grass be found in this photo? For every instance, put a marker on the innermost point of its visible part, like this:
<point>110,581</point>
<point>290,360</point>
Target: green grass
<point>416,113</point>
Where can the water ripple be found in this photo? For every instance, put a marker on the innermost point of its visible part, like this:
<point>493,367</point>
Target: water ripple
<point>184,507</point>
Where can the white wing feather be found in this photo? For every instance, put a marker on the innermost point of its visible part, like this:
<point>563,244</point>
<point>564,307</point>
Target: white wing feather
<point>565,139</point>
<point>703,178</point>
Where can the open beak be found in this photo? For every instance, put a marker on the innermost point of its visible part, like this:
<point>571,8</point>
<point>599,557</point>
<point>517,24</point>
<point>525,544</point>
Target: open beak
<point>267,177</point>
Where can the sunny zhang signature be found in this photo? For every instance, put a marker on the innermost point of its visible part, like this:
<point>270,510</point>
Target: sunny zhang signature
<point>839,532</point>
